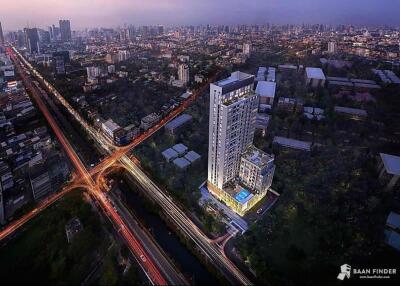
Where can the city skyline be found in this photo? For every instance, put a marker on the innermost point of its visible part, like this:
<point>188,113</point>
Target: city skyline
<point>181,142</point>
<point>178,12</point>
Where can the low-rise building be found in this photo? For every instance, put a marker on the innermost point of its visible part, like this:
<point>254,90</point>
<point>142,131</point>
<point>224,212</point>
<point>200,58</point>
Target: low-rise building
<point>175,124</point>
<point>315,77</point>
<point>387,76</point>
<point>389,169</point>
<point>180,149</point>
<point>262,121</point>
<point>261,74</point>
<point>181,163</point>
<point>198,78</point>
<point>290,104</point>
<point>288,68</point>
<point>271,76</point>
<point>192,156</point>
<point>292,143</point>
<point>257,169</point>
<point>392,236</point>
<point>353,113</point>
<point>131,132</point>
<point>46,174</point>
<point>170,154</point>
<point>149,120</point>
<point>72,228</point>
<point>314,113</point>
<point>393,221</point>
<point>266,91</point>
<point>109,128</point>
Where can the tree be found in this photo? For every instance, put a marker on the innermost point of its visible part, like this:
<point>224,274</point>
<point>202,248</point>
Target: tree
<point>110,275</point>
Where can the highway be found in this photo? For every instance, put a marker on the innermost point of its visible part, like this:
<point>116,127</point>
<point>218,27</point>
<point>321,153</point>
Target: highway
<point>161,259</point>
<point>141,255</point>
<point>184,223</point>
<point>175,214</point>
<point>151,246</point>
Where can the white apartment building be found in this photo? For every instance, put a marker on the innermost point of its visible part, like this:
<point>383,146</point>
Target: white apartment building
<point>332,47</point>
<point>123,55</point>
<point>183,73</point>
<point>93,72</point>
<point>233,111</point>
<point>257,169</point>
<point>239,174</point>
<point>247,49</point>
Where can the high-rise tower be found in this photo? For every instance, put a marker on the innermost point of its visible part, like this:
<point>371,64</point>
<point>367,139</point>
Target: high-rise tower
<point>65,30</point>
<point>1,35</point>
<point>238,173</point>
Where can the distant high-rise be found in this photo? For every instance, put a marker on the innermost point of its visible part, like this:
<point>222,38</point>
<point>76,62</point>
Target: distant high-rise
<point>65,30</point>
<point>161,30</point>
<point>132,32</point>
<point>20,39</point>
<point>56,32</point>
<point>124,35</point>
<point>332,47</point>
<point>44,36</point>
<point>32,40</point>
<point>183,73</point>
<point>93,72</point>
<point>247,49</point>
<point>1,35</point>
<point>59,60</point>
<point>123,55</point>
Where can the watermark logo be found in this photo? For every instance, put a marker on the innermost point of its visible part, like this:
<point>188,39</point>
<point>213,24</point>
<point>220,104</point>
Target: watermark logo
<point>345,272</point>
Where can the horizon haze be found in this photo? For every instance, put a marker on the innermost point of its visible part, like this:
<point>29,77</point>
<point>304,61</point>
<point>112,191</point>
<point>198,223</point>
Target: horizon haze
<point>86,14</point>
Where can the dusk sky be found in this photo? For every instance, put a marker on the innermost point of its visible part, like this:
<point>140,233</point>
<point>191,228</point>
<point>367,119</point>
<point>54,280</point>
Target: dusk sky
<point>110,13</point>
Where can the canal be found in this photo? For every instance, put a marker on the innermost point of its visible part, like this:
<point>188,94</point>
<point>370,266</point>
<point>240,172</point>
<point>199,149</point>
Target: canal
<point>186,261</point>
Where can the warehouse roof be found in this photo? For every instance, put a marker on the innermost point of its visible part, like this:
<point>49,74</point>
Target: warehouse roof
<point>178,121</point>
<point>266,88</point>
<point>180,148</point>
<point>315,73</point>
<point>352,111</point>
<point>182,163</point>
<point>192,156</point>
<point>392,239</point>
<point>169,154</point>
<point>393,220</point>
<point>292,143</point>
<point>392,163</point>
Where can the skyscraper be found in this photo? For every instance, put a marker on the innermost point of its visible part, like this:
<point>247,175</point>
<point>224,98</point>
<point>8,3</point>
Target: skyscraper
<point>183,73</point>
<point>160,30</point>
<point>44,36</point>
<point>56,32</point>
<point>21,39</point>
<point>32,40</point>
<point>231,156</point>
<point>233,110</point>
<point>1,35</point>
<point>65,30</point>
<point>332,47</point>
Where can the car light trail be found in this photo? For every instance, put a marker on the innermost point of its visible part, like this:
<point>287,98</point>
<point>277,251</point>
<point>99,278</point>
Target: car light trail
<point>203,243</point>
<point>148,265</point>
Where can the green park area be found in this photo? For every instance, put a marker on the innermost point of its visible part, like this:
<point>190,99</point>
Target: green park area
<point>332,209</point>
<point>41,255</point>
